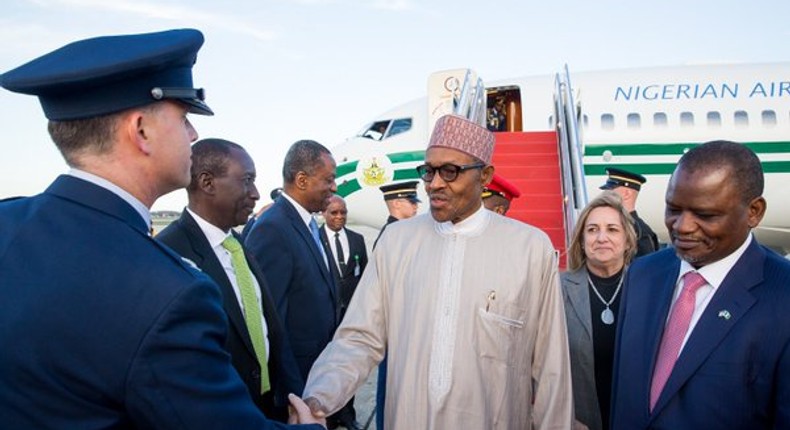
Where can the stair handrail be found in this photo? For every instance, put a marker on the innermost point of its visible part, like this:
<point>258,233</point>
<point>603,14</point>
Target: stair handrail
<point>570,150</point>
<point>576,147</point>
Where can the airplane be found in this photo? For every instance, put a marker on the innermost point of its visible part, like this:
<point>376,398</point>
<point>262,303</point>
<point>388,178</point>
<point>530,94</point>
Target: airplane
<point>641,120</point>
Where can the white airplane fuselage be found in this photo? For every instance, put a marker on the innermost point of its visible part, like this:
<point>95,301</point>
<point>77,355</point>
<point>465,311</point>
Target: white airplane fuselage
<point>639,119</point>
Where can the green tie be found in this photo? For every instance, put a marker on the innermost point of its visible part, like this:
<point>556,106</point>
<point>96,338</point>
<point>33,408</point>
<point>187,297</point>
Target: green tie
<point>252,312</point>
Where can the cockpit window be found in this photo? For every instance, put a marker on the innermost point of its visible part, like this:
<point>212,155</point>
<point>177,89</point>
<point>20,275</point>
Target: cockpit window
<point>399,126</point>
<point>381,130</point>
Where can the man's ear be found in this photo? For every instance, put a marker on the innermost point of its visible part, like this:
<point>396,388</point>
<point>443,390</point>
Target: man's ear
<point>205,181</point>
<point>301,180</point>
<point>134,127</point>
<point>756,211</point>
<point>486,175</point>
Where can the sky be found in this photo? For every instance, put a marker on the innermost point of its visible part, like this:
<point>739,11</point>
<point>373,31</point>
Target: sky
<point>277,71</point>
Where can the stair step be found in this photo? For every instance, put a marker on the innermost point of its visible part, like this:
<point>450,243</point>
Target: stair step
<point>526,159</point>
<point>530,161</point>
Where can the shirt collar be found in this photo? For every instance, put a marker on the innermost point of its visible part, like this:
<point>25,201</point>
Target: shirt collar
<point>714,273</point>
<point>138,206</point>
<point>331,233</point>
<point>214,234</point>
<point>471,226</point>
<point>303,213</point>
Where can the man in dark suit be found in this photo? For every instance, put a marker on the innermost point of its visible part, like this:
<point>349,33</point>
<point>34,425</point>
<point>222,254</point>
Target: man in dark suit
<point>346,249</point>
<point>222,194</point>
<point>104,326</point>
<point>627,185</point>
<point>704,338</point>
<point>285,243</point>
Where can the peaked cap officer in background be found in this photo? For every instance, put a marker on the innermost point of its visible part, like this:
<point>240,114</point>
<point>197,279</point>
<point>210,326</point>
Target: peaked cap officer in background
<point>402,203</point>
<point>106,328</point>
<point>627,185</point>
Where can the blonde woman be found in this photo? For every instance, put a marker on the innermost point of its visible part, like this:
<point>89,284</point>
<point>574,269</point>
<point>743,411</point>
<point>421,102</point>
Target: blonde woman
<point>603,244</point>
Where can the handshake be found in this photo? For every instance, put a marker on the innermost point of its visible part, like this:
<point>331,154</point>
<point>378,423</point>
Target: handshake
<point>308,411</point>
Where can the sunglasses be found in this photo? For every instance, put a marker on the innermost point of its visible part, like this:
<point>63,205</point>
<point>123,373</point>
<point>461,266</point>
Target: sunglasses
<point>448,172</point>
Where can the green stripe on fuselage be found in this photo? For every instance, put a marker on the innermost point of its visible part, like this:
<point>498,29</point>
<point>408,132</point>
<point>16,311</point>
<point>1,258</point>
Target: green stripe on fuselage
<point>676,148</point>
<point>654,149</point>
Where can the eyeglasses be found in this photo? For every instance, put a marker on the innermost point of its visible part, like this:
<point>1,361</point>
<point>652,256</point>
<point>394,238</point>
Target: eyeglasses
<point>448,172</point>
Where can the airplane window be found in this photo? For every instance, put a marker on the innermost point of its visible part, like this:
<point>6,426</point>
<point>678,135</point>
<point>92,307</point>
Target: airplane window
<point>714,119</point>
<point>634,120</point>
<point>741,118</point>
<point>686,119</point>
<point>585,120</point>
<point>399,126</point>
<point>551,122</point>
<point>769,118</point>
<point>376,130</point>
<point>607,121</point>
<point>660,119</point>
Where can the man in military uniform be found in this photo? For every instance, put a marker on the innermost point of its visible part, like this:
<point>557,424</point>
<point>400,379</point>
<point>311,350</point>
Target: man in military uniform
<point>627,185</point>
<point>402,202</point>
<point>109,328</point>
<point>498,194</point>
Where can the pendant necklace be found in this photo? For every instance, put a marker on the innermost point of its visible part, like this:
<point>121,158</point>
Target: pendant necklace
<point>607,316</point>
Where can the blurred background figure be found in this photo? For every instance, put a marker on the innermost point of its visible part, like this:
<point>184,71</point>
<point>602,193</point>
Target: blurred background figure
<point>346,250</point>
<point>251,221</point>
<point>402,202</point>
<point>498,194</point>
<point>602,246</point>
<point>627,185</point>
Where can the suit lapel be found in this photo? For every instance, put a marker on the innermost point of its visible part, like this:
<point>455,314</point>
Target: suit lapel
<point>579,297</point>
<point>733,296</point>
<point>304,233</point>
<point>211,265</point>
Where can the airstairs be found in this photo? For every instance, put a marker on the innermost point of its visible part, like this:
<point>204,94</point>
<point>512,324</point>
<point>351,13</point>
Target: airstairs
<point>546,165</point>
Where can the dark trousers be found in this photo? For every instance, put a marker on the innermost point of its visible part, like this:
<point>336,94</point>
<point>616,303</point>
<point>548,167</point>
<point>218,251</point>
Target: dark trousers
<point>381,391</point>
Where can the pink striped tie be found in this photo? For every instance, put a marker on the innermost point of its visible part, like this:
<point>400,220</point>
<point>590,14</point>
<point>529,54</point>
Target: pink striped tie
<point>674,334</point>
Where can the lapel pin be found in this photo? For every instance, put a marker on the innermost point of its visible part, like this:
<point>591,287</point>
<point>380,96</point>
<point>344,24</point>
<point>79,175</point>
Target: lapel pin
<point>724,314</point>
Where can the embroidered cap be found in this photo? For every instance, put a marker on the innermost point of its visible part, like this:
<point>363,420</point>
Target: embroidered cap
<point>103,75</point>
<point>500,186</point>
<point>456,132</point>
<point>622,178</point>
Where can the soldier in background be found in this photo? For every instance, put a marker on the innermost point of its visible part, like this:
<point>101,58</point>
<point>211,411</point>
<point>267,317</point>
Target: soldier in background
<point>498,194</point>
<point>402,202</point>
<point>627,185</point>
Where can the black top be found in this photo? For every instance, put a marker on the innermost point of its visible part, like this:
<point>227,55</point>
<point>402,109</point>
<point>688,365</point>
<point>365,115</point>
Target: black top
<point>603,339</point>
<point>646,239</point>
<point>391,219</point>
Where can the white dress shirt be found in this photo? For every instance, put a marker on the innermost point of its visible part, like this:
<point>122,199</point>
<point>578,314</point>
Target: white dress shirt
<point>215,238</point>
<point>714,275</point>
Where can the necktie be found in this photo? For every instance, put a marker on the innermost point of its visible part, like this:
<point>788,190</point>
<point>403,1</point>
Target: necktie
<point>341,258</point>
<point>316,238</point>
<point>252,311</point>
<point>674,334</point>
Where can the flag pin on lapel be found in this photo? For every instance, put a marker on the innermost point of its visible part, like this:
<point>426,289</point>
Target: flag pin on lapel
<point>724,314</point>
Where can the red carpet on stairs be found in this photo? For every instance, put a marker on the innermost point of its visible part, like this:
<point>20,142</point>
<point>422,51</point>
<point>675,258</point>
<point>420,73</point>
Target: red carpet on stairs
<point>530,161</point>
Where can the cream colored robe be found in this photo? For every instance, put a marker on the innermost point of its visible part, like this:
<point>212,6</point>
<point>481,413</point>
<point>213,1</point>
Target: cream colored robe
<point>472,317</point>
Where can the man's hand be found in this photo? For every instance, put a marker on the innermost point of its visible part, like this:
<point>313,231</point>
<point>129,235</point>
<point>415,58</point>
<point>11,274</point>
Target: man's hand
<point>300,413</point>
